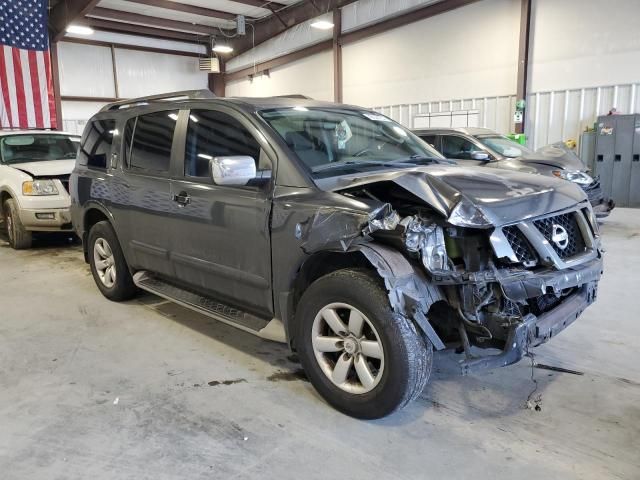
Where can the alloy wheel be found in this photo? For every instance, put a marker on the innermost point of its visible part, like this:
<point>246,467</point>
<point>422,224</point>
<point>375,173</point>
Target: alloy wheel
<point>347,348</point>
<point>104,262</point>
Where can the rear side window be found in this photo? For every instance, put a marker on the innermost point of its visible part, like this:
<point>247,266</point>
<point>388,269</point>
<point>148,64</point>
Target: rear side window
<point>215,134</point>
<point>457,147</point>
<point>96,143</point>
<point>152,140</point>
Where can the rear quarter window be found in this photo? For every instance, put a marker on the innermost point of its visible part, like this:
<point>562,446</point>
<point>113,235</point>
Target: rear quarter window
<point>96,144</point>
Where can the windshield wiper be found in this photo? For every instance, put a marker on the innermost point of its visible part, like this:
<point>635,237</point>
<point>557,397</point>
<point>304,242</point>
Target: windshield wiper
<point>413,159</point>
<point>351,163</point>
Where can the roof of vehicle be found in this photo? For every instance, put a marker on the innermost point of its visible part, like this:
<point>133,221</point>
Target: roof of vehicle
<point>204,96</point>
<point>32,132</point>
<point>465,130</point>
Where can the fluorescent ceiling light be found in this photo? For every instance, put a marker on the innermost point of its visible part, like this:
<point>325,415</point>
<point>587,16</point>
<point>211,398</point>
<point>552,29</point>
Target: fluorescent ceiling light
<point>222,49</point>
<point>80,30</point>
<point>322,25</point>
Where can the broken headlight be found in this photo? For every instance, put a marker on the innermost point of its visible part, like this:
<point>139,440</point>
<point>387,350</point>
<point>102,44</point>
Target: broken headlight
<point>465,214</point>
<point>428,240</point>
<point>576,176</point>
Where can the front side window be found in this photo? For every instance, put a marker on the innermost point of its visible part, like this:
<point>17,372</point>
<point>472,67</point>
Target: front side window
<point>152,141</point>
<point>38,147</point>
<point>96,143</point>
<point>457,147</point>
<point>212,134</point>
<point>504,146</point>
<point>335,141</point>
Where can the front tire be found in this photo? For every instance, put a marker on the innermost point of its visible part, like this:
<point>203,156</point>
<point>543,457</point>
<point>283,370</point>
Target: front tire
<point>108,265</point>
<point>362,358</point>
<point>19,238</point>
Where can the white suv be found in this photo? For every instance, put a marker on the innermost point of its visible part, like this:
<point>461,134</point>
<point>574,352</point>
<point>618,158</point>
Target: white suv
<point>34,182</point>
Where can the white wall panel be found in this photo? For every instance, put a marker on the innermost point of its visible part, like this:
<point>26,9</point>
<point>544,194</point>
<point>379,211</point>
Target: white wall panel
<point>470,51</point>
<point>85,70</point>
<point>76,114</point>
<point>112,37</point>
<point>312,76</point>
<point>145,73</point>
<point>584,43</point>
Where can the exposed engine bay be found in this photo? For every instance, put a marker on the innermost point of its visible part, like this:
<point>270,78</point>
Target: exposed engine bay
<point>482,290</point>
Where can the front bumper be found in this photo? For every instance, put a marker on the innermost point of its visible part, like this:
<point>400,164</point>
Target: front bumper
<point>536,330</point>
<point>46,219</point>
<point>601,206</point>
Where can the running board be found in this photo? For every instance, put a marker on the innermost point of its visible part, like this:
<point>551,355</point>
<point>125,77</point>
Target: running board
<point>269,330</point>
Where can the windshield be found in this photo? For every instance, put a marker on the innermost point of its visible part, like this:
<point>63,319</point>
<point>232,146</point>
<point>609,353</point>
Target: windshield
<point>36,148</point>
<point>335,141</point>
<point>504,146</point>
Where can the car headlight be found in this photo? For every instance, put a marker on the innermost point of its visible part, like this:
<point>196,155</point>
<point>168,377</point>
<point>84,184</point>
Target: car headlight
<point>574,176</point>
<point>465,214</point>
<point>39,187</point>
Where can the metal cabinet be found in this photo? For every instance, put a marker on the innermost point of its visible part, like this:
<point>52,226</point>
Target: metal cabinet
<point>617,159</point>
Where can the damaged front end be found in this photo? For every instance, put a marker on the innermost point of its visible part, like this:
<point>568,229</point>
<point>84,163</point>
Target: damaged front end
<point>465,280</point>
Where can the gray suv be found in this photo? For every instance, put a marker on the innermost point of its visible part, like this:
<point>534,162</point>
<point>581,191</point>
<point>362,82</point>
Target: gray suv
<point>484,147</point>
<point>333,229</point>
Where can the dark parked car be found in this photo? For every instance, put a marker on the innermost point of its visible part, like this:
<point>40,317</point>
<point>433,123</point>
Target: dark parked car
<point>484,147</point>
<point>334,229</point>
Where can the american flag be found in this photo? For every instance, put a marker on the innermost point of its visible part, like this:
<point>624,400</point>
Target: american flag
<point>26,83</point>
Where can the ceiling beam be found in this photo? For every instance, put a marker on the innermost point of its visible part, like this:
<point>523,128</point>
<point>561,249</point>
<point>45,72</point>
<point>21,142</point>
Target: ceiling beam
<point>65,13</point>
<point>260,3</point>
<point>110,14</point>
<point>125,46</point>
<point>271,26</point>
<point>186,8</point>
<point>109,26</point>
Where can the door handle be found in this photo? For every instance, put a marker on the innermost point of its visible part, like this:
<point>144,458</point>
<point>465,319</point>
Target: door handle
<point>182,199</point>
<point>617,158</point>
<point>636,158</point>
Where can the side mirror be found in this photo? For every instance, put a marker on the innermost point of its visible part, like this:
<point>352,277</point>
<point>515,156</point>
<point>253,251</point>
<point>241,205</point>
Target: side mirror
<point>479,155</point>
<point>237,170</point>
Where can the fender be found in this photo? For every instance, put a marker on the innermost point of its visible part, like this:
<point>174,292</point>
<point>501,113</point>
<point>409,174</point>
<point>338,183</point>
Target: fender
<point>410,292</point>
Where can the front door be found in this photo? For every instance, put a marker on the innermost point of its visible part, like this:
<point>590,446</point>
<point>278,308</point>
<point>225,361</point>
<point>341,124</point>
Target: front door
<point>460,149</point>
<point>220,234</point>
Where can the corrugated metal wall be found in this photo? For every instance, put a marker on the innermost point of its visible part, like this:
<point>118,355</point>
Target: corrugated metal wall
<point>552,116</point>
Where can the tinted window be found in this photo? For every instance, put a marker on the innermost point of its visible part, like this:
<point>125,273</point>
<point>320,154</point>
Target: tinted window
<point>96,143</point>
<point>457,147</point>
<point>126,139</point>
<point>152,140</point>
<point>215,134</point>
<point>430,139</point>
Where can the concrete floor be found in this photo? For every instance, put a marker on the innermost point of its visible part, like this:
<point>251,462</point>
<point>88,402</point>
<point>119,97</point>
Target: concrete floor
<point>145,389</point>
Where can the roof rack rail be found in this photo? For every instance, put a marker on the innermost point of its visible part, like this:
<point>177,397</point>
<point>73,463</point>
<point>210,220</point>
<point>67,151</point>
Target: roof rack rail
<point>294,95</point>
<point>170,96</point>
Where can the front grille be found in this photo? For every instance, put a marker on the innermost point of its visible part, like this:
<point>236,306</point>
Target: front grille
<point>565,248</point>
<point>521,247</point>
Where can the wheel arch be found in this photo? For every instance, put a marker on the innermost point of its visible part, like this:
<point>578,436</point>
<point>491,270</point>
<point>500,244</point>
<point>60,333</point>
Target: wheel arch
<point>410,292</point>
<point>93,213</point>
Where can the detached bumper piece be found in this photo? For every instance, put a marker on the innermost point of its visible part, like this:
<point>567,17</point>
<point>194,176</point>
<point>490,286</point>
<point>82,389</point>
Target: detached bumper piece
<point>601,206</point>
<point>534,331</point>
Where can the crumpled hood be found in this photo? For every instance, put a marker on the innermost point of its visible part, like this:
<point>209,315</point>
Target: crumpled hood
<point>46,168</point>
<point>555,156</point>
<point>502,196</point>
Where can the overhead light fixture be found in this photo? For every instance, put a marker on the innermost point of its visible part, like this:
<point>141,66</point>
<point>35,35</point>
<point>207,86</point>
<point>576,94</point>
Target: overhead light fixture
<point>80,30</point>
<point>322,25</point>
<point>221,48</point>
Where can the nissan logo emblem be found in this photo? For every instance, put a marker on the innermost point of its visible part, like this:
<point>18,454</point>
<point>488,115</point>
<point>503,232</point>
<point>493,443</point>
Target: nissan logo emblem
<point>559,236</point>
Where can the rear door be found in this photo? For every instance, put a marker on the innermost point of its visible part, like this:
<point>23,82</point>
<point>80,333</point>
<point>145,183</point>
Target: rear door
<point>144,205</point>
<point>220,234</point>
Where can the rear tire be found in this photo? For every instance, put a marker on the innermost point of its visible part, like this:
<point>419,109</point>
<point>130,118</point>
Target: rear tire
<point>19,237</point>
<point>108,265</point>
<point>369,370</point>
